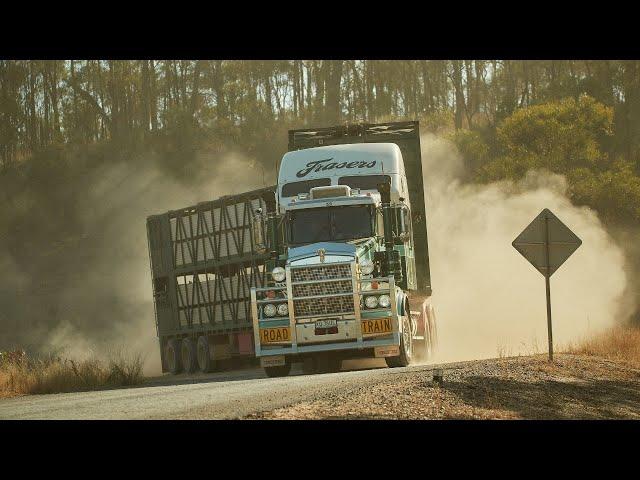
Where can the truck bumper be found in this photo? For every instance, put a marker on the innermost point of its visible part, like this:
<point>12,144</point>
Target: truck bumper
<point>374,349</point>
<point>332,347</point>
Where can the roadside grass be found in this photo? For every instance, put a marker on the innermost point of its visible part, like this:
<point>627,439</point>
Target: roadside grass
<point>620,343</point>
<point>24,375</point>
<point>523,348</point>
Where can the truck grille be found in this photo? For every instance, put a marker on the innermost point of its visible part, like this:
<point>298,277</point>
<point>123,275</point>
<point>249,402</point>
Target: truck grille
<point>325,305</point>
<point>321,272</point>
<point>325,288</point>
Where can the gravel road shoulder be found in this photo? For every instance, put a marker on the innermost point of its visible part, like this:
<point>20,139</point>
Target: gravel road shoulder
<point>574,387</point>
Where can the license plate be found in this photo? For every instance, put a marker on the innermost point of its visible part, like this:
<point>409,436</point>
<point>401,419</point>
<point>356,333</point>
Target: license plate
<point>391,351</point>
<point>377,325</point>
<point>327,323</point>
<point>273,361</point>
<point>275,335</point>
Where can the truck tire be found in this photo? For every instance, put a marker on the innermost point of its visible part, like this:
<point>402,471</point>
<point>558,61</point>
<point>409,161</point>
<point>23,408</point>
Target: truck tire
<point>335,363</point>
<point>279,371</point>
<point>203,352</point>
<point>172,356</point>
<point>329,363</point>
<point>406,346</point>
<point>188,354</point>
<point>433,329</point>
<point>309,366</point>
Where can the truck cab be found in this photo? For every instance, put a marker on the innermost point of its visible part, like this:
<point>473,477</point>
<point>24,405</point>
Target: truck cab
<point>342,272</point>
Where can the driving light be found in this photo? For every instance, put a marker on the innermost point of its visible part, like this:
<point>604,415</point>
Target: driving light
<point>371,301</point>
<point>269,310</point>
<point>366,266</point>
<point>278,274</point>
<point>384,301</point>
<point>283,310</point>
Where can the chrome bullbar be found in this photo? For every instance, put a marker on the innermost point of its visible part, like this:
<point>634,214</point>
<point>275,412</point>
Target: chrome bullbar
<point>322,290</point>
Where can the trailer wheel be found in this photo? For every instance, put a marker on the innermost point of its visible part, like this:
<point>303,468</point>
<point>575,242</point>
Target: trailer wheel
<point>189,359</point>
<point>204,355</point>
<point>406,346</point>
<point>172,356</point>
<point>279,371</point>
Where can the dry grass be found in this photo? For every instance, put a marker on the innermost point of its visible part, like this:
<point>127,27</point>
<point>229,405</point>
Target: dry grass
<point>620,343</point>
<point>21,375</point>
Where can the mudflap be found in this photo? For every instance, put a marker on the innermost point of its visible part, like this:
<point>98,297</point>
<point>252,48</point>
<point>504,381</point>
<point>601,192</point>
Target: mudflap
<point>424,319</point>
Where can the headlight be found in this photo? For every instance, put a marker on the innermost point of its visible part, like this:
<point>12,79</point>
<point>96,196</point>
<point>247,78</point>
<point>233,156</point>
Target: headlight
<point>371,301</point>
<point>384,301</point>
<point>366,266</point>
<point>278,274</point>
<point>269,310</point>
<point>283,310</point>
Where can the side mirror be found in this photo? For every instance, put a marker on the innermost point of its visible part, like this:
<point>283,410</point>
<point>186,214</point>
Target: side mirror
<point>258,231</point>
<point>403,232</point>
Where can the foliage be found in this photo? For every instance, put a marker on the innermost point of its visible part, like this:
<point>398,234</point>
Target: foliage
<point>570,137</point>
<point>79,102</point>
<point>561,135</point>
<point>474,147</point>
<point>20,374</point>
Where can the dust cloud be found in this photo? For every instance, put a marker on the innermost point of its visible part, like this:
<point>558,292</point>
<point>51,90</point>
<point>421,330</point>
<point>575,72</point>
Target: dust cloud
<point>489,300</point>
<point>92,297</point>
<point>91,294</point>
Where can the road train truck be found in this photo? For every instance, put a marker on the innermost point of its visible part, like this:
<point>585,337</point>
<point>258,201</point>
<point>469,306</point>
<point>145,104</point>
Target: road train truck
<point>332,263</point>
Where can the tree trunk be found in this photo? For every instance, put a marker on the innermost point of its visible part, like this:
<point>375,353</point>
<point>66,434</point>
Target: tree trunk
<point>320,74</point>
<point>196,90</point>
<point>334,77</point>
<point>456,77</point>
<point>218,88</point>
<point>145,100</point>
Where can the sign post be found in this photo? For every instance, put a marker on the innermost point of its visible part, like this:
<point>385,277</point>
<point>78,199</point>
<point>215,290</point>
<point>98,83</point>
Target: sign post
<point>548,288</point>
<point>547,243</point>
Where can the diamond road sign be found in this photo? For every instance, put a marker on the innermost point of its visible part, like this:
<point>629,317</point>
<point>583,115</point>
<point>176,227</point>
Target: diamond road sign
<point>547,243</point>
<point>546,230</point>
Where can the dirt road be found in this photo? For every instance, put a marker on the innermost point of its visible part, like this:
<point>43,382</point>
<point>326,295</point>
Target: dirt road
<point>518,387</point>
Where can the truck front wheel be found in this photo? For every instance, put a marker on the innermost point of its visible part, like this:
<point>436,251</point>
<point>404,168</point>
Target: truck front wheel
<point>279,371</point>
<point>426,347</point>
<point>406,346</point>
<point>327,363</point>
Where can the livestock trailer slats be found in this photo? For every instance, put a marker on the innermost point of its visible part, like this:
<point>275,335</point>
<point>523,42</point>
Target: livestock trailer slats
<point>204,263</point>
<point>213,231</point>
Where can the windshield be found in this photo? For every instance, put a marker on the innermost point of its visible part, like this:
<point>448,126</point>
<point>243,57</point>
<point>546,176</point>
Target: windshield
<point>330,224</point>
<point>364,182</point>
<point>294,188</point>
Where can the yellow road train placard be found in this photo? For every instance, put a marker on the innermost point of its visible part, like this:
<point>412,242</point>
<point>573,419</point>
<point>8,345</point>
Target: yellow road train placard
<point>377,325</point>
<point>275,335</point>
